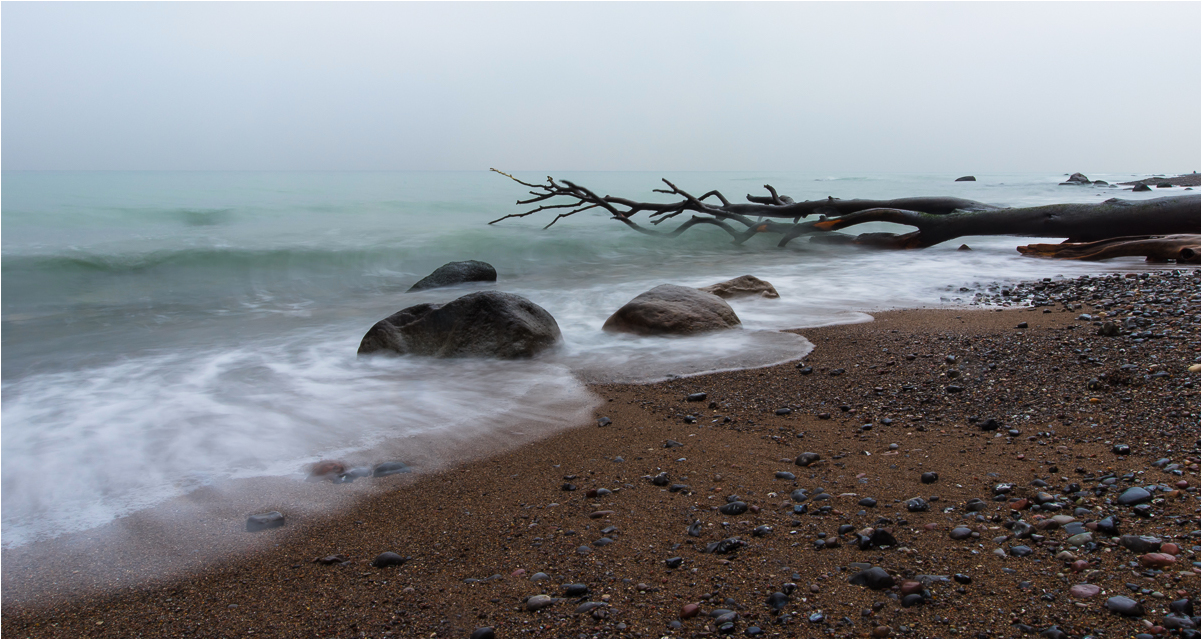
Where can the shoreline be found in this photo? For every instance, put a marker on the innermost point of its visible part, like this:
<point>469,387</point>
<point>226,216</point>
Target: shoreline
<point>481,518</point>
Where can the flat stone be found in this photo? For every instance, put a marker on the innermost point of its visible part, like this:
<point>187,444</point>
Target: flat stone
<point>1084,591</point>
<point>1125,606</point>
<point>261,521</point>
<point>875,578</point>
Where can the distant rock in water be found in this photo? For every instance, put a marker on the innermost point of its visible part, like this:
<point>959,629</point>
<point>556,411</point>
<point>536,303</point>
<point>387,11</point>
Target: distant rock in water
<point>742,286</point>
<point>453,273</point>
<point>966,179</point>
<point>672,309</point>
<point>1141,187</point>
<point>483,324</point>
<point>1077,178</point>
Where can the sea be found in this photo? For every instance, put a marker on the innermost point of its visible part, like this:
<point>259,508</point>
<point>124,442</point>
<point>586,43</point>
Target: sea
<point>167,331</point>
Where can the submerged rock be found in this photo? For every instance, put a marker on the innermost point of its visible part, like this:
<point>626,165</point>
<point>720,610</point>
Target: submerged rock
<point>261,521</point>
<point>672,309</point>
<point>742,286</point>
<point>453,273</point>
<point>484,324</point>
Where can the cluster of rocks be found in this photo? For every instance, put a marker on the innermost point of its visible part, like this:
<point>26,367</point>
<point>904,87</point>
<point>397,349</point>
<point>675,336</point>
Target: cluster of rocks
<point>504,325</point>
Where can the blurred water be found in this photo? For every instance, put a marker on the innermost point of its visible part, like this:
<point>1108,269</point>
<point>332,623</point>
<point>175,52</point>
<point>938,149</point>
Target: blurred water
<point>162,330</point>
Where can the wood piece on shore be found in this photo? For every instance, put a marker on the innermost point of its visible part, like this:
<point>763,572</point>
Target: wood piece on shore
<point>1182,248</point>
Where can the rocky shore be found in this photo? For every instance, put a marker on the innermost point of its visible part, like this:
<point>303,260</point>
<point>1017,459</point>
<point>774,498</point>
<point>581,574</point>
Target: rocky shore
<point>1029,471</point>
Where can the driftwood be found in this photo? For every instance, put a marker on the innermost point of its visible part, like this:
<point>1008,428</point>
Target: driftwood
<point>937,219</point>
<point>1182,248</point>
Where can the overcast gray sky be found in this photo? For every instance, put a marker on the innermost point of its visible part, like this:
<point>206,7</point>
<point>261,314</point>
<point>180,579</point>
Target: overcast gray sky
<point>838,87</point>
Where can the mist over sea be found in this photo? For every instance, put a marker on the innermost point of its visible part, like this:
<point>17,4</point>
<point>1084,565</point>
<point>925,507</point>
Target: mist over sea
<point>166,331</point>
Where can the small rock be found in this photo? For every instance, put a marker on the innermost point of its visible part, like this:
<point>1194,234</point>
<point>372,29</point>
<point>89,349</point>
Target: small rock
<point>696,397</point>
<point>1134,496</point>
<point>929,477</point>
<point>540,602</point>
<point>1125,606</point>
<point>1084,591</point>
<point>261,521</point>
<point>777,601</point>
<point>875,578</point>
<point>915,505</point>
<point>483,632</point>
<point>806,459</point>
<point>388,559</point>
<point>604,421</point>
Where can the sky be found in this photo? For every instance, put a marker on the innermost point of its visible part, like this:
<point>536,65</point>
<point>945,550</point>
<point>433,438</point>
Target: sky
<point>678,86</point>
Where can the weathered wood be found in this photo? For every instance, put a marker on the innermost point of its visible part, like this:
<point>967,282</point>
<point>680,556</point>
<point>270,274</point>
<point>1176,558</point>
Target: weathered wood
<point>936,219</point>
<point>1182,248</point>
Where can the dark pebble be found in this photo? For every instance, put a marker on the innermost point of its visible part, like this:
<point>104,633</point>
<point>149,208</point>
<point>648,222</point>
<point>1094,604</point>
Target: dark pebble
<point>805,370</point>
<point>261,521</point>
<point>816,618</point>
<point>962,578</point>
<point>483,632</point>
<point>389,468</point>
<point>1121,449</point>
<point>734,508</point>
<point>672,443</point>
<point>1133,496</point>
<point>929,477</point>
<point>696,397</point>
<point>1021,551</point>
<point>660,480</point>
<point>806,459</point>
<point>785,475</point>
<point>1125,606</point>
<point>783,411</point>
<point>961,533</point>
<point>575,589</point>
<point>604,422</point>
<point>916,505</point>
<point>674,563</point>
<point>912,600</point>
<point>568,486</point>
<point>777,601</point>
<point>867,502</point>
<point>388,559</point>
<point>875,578</point>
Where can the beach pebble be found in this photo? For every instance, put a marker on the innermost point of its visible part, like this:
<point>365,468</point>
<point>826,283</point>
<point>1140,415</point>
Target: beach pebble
<point>539,577</point>
<point>674,562</point>
<point>696,397</point>
<point>1134,496</point>
<point>874,578</point>
<point>915,505</point>
<point>913,600</point>
<point>1084,591</point>
<point>785,475</point>
<point>689,611</point>
<point>962,578</point>
<point>586,607</point>
<point>389,468</point>
<point>574,590</point>
<point>604,421</point>
<point>1021,551</point>
<point>1157,560</point>
<point>388,559</point>
<point>867,502</point>
<point>1121,449</point>
<point>733,508</point>
<point>1125,606</point>
<point>929,477</point>
<point>483,632</point>
<point>261,521</point>
<point>777,601</point>
<point>534,603</point>
<point>960,533</point>
<point>1141,544</point>
<point>806,459</point>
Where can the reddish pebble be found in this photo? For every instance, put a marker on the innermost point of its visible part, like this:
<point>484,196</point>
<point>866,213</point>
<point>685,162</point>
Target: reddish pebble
<point>689,610</point>
<point>327,468</point>
<point>1156,630</point>
<point>911,586</point>
<point>1157,560</point>
<point>1183,484</point>
<point>1022,457</point>
<point>755,508</point>
<point>1080,565</point>
<point>1020,504</point>
<point>591,493</point>
<point>1083,591</point>
<point>1170,548</point>
<point>1172,494</point>
<point>931,526</point>
<point>600,514</point>
<point>517,573</point>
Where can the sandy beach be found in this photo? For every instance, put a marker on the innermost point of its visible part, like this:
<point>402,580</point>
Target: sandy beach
<point>689,518</point>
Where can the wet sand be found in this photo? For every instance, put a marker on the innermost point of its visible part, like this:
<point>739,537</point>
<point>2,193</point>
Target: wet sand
<point>476,533</point>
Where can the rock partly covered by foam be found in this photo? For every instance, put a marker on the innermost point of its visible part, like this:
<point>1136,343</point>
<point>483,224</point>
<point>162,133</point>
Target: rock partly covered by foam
<point>483,324</point>
<point>742,286</point>
<point>453,273</point>
<point>672,309</point>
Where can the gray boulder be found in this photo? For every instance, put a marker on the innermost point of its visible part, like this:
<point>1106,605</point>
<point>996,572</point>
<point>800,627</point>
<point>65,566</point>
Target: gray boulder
<point>966,179</point>
<point>483,324</point>
<point>672,309</point>
<point>742,286</point>
<point>1077,178</point>
<point>453,273</point>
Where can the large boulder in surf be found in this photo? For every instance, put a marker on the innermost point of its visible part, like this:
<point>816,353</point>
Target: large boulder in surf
<point>672,309</point>
<point>453,273</point>
<point>742,286</point>
<point>966,179</point>
<point>1077,178</point>
<point>490,324</point>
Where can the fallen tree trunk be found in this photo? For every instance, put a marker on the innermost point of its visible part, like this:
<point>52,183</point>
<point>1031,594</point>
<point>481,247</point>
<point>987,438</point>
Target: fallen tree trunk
<point>1182,248</point>
<point>936,219</point>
